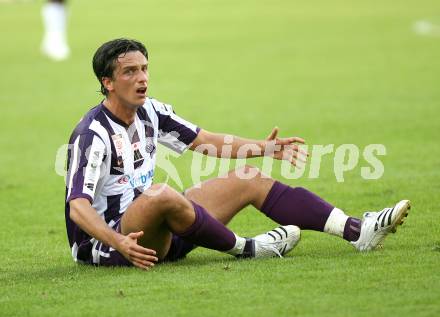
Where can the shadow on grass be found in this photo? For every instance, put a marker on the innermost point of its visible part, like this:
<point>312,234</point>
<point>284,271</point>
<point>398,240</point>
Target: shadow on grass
<point>71,271</point>
<point>309,254</point>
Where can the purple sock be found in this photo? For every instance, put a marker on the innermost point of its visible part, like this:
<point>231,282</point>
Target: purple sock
<point>296,206</point>
<point>208,232</point>
<point>352,229</point>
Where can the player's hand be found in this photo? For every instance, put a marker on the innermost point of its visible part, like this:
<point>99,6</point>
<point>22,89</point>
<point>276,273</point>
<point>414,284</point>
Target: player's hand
<point>141,257</point>
<point>286,148</point>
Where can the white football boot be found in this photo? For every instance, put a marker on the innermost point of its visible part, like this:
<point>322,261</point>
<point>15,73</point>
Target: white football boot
<point>276,242</point>
<point>377,225</point>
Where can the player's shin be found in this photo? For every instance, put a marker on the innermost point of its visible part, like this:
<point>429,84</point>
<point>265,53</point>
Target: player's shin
<point>298,206</point>
<point>208,232</point>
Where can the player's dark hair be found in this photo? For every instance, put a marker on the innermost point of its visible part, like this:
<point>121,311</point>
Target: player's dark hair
<point>104,60</point>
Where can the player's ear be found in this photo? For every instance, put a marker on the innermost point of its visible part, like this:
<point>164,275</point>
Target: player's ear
<point>107,82</point>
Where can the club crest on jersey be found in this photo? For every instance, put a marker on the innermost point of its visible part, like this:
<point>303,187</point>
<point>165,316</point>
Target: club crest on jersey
<point>150,148</point>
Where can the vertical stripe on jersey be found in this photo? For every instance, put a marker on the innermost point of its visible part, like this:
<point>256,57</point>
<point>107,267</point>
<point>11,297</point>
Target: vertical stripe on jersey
<point>113,207</point>
<point>143,115</point>
<point>150,148</point>
<point>80,155</point>
<point>114,168</point>
<point>88,151</point>
<point>138,159</point>
<point>72,167</point>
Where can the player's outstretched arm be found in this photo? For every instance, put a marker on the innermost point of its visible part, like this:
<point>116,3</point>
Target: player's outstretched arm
<point>229,146</point>
<point>86,217</point>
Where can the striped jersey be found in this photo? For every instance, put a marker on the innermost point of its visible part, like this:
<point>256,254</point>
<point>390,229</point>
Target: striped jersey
<point>110,163</point>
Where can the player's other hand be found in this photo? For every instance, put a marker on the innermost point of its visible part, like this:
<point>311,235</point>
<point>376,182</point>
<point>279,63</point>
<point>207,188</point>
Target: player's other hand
<point>141,257</point>
<point>288,149</point>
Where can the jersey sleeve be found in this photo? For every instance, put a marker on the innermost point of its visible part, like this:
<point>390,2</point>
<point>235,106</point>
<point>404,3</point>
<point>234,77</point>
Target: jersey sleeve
<point>84,161</point>
<point>174,132</point>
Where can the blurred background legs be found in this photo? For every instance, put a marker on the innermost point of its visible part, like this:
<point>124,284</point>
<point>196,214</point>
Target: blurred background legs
<point>54,43</point>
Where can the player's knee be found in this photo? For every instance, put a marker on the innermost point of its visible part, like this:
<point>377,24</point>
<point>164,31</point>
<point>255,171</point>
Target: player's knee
<point>163,197</point>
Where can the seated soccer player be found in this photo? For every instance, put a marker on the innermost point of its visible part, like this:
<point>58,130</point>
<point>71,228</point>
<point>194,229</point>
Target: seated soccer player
<point>117,216</point>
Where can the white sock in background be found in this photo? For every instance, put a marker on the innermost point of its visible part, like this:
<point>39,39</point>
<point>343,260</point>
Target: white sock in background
<point>55,38</point>
<point>336,222</point>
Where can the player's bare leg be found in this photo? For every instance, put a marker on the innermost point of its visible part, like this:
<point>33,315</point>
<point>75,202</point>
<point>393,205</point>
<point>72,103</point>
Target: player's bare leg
<point>228,194</point>
<point>225,196</point>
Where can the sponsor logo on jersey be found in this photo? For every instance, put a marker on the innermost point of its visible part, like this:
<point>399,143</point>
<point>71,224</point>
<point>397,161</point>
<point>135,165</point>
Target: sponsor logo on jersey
<point>137,181</point>
<point>142,179</point>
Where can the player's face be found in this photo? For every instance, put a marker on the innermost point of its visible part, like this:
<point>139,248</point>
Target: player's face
<point>130,79</point>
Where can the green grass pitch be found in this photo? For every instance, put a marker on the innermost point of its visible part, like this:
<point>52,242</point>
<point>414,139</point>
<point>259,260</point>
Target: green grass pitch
<point>333,72</point>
